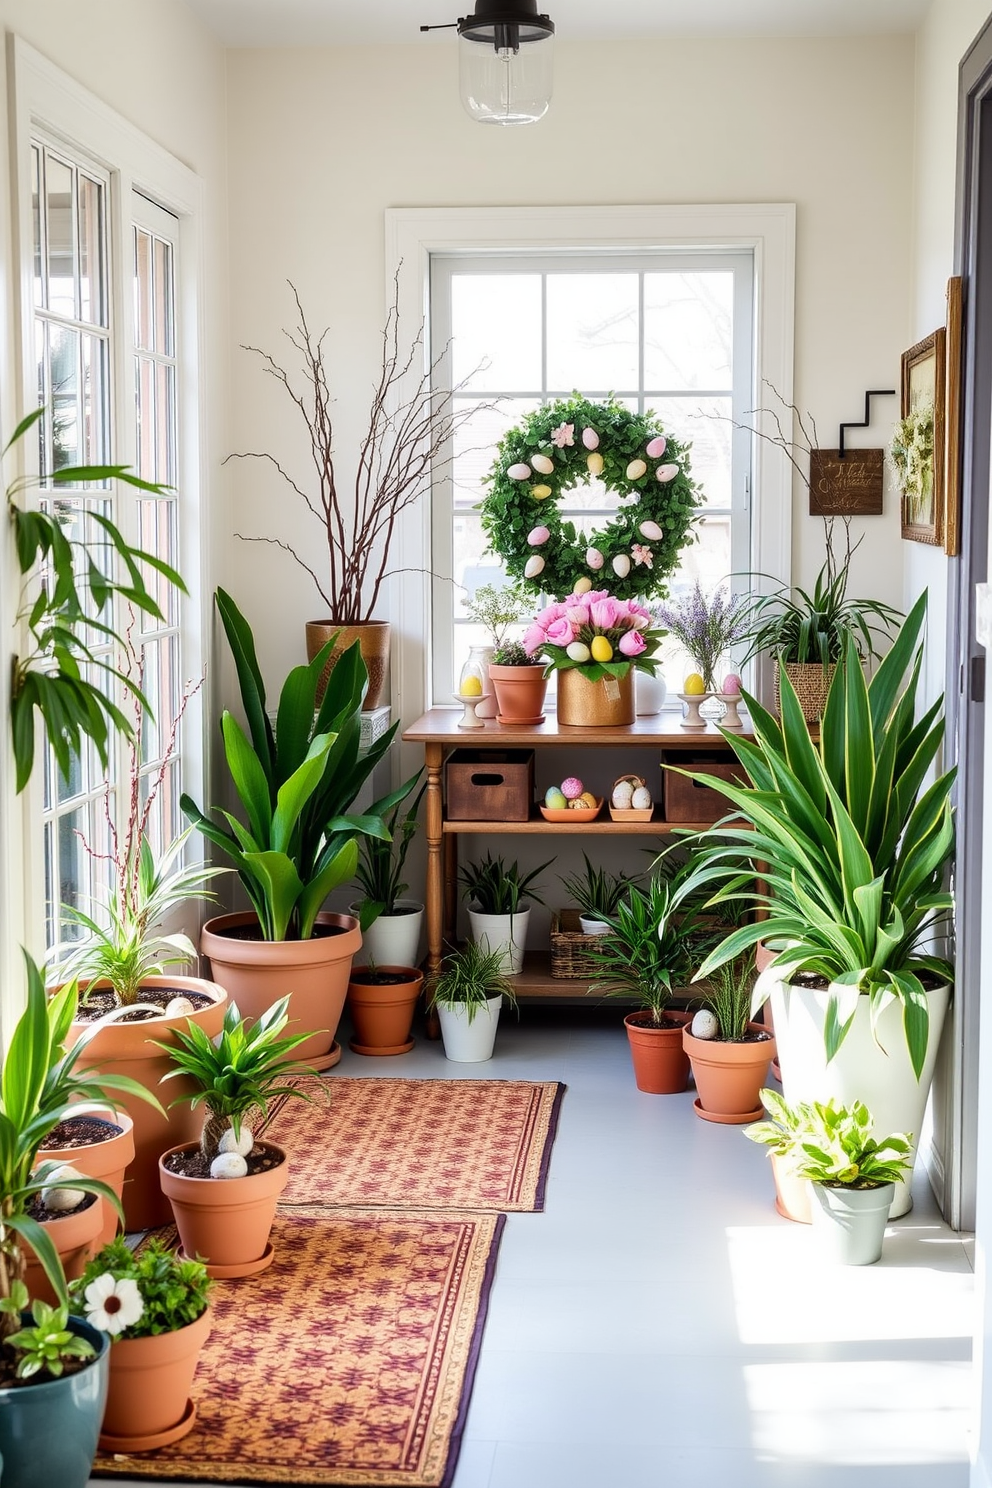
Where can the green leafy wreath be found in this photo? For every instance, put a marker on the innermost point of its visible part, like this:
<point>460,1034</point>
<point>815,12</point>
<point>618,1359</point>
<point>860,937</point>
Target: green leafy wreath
<point>569,443</point>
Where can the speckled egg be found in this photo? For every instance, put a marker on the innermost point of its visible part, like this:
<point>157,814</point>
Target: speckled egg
<point>572,787</point>
<point>705,1025</point>
<point>594,558</point>
<point>641,798</point>
<point>622,792</point>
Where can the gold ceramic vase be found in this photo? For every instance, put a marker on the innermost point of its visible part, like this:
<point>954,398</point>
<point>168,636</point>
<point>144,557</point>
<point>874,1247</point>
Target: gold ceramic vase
<point>373,642</point>
<point>607,703</point>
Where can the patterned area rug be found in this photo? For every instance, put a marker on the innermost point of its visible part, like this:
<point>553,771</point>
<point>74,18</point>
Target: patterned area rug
<point>350,1361</point>
<point>418,1144</point>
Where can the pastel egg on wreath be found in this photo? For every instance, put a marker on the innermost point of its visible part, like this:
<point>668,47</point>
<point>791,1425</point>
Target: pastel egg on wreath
<point>651,530</point>
<point>595,463</point>
<point>582,586</point>
<point>656,447</point>
<point>731,685</point>
<point>590,439</point>
<point>666,473</point>
<point>540,493</point>
<point>621,565</point>
<point>594,558</point>
<point>636,469</point>
<point>543,464</point>
<point>577,651</point>
<point>538,535</point>
<point>533,566</point>
<point>520,471</point>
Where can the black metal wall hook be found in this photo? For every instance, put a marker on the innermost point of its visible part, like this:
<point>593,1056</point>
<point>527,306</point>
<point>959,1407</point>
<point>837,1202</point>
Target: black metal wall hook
<point>863,423</point>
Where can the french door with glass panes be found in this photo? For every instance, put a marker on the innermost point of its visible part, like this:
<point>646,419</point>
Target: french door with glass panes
<point>668,331</point>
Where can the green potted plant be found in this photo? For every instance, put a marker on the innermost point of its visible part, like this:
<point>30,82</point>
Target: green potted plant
<point>224,1189</point>
<point>853,1174</point>
<point>154,1305</point>
<point>390,924</point>
<point>497,609</point>
<point>729,1053</point>
<point>52,1386</point>
<point>295,840</point>
<point>519,683</point>
<point>497,912</point>
<point>650,951</point>
<point>467,992</point>
<point>850,844</point>
<point>598,895</point>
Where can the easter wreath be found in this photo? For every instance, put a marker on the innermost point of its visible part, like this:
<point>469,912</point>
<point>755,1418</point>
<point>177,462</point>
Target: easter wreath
<point>568,443</point>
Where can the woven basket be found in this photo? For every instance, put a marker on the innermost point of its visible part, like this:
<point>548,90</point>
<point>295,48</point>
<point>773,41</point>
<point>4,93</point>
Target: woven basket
<point>632,813</point>
<point>571,957</point>
<point>811,682</point>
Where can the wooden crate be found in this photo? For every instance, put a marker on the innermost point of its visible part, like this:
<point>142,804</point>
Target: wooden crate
<point>489,784</point>
<point>570,954</point>
<point>690,800</point>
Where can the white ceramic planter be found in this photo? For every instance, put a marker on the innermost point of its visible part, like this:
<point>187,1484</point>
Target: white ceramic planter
<point>392,940</point>
<point>465,1042</point>
<point>849,1223</point>
<point>592,926</point>
<point>506,933</point>
<point>873,1069</point>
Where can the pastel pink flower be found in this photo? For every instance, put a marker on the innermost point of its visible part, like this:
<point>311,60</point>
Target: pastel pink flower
<point>605,613</point>
<point>578,614</point>
<point>632,643</point>
<point>534,638</point>
<point>564,434</point>
<point>596,596</point>
<point>550,614</point>
<point>561,632</point>
<point>643,555</point>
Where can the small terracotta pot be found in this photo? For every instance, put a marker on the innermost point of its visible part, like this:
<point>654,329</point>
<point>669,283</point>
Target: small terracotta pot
<point>75,1238</point>
<point>606,703</point>
<point>661,1065</point>
<point>128,1049</point>
<point>519,693</point>
<point>107,1160</point>
<point>148,1401</point>
<point>226,1222</point>
<point>255,973</point>
<point>373,643</point>
<point>729,1076</point>
<point>792,1194</point>
<point>381,1014</point>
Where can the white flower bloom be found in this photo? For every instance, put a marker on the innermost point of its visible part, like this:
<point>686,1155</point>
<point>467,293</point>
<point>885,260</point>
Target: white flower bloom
<point>113,1305</point>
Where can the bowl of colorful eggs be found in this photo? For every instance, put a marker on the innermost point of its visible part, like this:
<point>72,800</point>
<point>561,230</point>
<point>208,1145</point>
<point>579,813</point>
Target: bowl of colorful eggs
<point>570,802</point>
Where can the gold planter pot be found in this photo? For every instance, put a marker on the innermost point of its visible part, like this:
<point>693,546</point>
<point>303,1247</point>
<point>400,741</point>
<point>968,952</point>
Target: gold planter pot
<point>373,642</point>
<point>607,703</point>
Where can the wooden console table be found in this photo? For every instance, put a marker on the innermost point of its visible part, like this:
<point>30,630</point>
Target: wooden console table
<point>438,732</point>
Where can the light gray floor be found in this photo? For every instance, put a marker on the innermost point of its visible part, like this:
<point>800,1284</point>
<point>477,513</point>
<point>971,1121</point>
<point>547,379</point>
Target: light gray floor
<point>659,1326</point>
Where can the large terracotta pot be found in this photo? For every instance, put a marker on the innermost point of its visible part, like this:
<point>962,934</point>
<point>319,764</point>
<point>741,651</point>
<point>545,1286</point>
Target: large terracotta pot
<point>148,1401</point>
<point>519,693</point>
<point>729,1076</point>
<point>661,1065</point>
<point>128,1049</point>
<point>314,973</point>
<point>381,1013</point>
<point>607,703</point>
<point>226,1222</point>
<point>107,1160</point>
<point>373,643</point>
<point>48,1432</point>
<point>75,1238</point>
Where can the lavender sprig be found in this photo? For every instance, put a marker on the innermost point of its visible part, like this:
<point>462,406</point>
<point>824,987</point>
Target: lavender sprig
<point>706,629</point>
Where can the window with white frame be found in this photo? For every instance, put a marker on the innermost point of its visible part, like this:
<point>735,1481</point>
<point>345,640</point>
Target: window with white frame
<point>669,331</point>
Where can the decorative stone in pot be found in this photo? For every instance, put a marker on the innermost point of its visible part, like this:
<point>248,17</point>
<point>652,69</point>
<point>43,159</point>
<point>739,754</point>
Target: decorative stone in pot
<point>101,1147</point>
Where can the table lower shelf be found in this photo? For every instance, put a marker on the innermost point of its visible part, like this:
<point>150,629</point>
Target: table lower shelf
<point>604,825</point>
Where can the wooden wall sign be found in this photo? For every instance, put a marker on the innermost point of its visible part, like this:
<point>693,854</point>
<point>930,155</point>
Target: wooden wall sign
<point>848,487</point>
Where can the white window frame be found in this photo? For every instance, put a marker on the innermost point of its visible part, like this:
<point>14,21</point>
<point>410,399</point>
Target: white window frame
<point>45,99</point>
<point>767,230</point>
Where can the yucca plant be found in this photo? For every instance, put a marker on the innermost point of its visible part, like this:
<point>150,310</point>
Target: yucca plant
<point>849,840</point>
<point>652,944</point>
<point>239,1074</point>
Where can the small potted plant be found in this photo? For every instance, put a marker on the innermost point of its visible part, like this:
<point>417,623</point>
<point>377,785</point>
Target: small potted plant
<point>729,1053</point>
<point>595,643</point>
<point>154,1305</point>
<point>598,894</point>
<point>853,1175</point>
<point>496,610</point>
<point>497,912</point>
<point>705,629</point>
<point>390,924</point>
<point>520,683</point>
<point>224,1189</point>
<point>650,950</point>
<point>468,992</point>
<point>382,1001</point>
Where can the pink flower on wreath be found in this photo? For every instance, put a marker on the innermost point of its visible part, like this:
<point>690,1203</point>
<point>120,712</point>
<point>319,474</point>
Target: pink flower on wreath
<point>632,643</point>
<point>534,638</point>
<point>641,554</point>
<point>561,632</point>
<point>605,613</point>
<point>564,434</point>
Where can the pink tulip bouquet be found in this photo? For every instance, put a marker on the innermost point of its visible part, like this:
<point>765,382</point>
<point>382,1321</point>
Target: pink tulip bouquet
<point>602,636</point>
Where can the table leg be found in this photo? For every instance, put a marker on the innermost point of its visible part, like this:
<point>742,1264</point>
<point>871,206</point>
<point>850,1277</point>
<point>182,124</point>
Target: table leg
<point>434,894</point>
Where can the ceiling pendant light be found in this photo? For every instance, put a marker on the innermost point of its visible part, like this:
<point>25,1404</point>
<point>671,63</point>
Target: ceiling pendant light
<point>504,63</point>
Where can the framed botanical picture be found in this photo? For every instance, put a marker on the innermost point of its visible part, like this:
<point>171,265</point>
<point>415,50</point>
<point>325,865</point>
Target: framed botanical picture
<point>918,444</point>
<point>952,418</point>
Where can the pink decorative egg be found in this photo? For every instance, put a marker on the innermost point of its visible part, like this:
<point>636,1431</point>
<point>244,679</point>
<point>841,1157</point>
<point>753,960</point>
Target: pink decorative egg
<point>651,531</point>
<point>656,447</point>
<point>537,536</point>
<point>666,473</point>
<point>594,558</point>
<point>731,684</point>
<point>571,788</point>
<point>519,472</point>
<point>590,439</point>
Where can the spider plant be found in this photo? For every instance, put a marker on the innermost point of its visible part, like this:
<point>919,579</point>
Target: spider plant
<point>468,977</point>
<point>497,887</point>
<point>597,892</point>
<point>652,943</point>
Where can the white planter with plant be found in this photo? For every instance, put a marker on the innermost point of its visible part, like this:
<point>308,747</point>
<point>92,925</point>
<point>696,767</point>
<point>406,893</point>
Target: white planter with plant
<point>498,911</point>
<point>855,844</point>
<point>467,994</point>
<point>391,925</point>
<point>596,893</point>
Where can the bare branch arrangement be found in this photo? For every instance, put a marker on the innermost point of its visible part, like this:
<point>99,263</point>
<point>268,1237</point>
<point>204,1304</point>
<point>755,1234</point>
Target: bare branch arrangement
<point>409,437</point>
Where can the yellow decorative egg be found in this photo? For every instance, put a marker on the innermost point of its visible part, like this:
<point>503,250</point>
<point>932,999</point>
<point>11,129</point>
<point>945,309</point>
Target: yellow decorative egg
<point>601,649</point>
<point>694,685</point>
<point>539,493</point>
<point>595,463</point>
<point>588,799</point>
<point>472,687</point>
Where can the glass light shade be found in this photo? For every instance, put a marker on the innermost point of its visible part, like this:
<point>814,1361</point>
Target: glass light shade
<point>502,85</point>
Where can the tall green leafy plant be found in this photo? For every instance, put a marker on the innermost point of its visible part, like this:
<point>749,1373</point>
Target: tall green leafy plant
<point>295,783</point>
<point>381,861</point>
<point>850,841</point>
<point>68,599</point>
<point>652,946</point>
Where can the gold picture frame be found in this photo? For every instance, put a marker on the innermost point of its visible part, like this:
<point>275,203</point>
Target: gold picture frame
<point>923,380</point>
<point>952,416</point>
